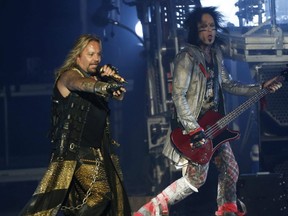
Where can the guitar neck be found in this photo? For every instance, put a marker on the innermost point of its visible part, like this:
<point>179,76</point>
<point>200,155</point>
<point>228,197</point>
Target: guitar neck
<point>240,109</point>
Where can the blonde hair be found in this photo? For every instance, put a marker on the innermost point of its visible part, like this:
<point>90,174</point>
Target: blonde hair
<point>79,46</point>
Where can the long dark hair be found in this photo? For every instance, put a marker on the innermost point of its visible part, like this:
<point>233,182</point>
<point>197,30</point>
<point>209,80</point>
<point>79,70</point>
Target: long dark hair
<point>195,17</point>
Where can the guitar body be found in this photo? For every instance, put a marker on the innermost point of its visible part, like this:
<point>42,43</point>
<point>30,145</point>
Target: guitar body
<point>203,154</point>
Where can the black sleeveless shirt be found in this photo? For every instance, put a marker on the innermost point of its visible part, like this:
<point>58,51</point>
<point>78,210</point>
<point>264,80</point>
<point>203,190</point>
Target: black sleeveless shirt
<point>95,121</point>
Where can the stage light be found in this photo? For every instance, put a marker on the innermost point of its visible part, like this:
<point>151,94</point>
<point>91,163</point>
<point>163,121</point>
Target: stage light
<point>227,8</point>
<point>139,29</point>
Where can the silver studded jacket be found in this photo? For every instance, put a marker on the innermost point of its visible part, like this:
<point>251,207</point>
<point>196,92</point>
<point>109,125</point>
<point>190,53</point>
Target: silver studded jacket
<point>189,86</point>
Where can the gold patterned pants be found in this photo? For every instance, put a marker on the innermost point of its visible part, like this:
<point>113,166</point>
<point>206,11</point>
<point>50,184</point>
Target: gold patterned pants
<point>89,192</point>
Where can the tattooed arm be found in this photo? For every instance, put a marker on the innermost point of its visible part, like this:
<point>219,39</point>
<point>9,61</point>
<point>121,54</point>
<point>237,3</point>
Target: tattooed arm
<point>74,81</point>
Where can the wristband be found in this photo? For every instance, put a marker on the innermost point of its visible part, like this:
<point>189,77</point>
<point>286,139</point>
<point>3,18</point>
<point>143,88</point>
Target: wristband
<point>196,131</point>
<point>100,88</point>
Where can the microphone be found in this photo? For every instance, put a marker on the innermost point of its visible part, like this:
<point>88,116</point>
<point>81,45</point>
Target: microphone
<point>116,77</point>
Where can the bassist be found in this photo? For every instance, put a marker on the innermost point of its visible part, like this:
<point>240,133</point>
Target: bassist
<point>199,78</point>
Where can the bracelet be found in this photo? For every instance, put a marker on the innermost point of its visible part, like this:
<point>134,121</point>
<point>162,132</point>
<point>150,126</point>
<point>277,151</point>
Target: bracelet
<point>100,88</point>
<point>196,131</point>
<point>94,88</point>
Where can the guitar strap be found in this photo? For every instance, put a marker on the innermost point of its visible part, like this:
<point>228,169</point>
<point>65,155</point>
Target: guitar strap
<point>203,70</point>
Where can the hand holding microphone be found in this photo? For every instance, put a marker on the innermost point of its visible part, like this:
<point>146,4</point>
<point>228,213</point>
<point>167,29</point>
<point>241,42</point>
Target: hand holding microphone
<point>110,72</point>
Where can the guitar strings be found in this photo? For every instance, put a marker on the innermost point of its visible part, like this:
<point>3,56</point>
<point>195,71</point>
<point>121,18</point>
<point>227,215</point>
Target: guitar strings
<point>211,131</point>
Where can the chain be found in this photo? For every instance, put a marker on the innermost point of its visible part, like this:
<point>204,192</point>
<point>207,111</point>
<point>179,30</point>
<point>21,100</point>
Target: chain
<point>88,193</point>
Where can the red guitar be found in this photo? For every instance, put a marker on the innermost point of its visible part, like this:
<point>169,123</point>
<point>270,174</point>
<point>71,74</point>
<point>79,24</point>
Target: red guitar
<point>216,130</point>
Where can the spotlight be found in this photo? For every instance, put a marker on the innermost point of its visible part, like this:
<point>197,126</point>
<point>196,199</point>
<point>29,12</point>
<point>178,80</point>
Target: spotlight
<point>139,29</point>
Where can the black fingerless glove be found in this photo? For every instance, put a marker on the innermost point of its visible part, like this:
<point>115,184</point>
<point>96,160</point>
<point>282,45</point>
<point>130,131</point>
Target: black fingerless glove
<point>197,137</point>
<point>105,89</point>
<point>112,87</point>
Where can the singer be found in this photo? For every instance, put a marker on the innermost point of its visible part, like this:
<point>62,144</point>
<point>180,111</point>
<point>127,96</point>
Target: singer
<point>84,176</point>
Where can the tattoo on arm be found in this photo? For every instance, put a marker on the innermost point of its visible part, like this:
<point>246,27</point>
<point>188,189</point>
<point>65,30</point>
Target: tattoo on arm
<point>74,81</point>
<point>87,86</point>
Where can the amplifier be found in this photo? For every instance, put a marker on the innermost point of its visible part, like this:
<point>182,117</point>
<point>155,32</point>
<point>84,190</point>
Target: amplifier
<point>264,194</point>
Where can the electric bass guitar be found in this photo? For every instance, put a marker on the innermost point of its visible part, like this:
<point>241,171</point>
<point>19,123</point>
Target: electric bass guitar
<point>216,130</point>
